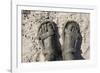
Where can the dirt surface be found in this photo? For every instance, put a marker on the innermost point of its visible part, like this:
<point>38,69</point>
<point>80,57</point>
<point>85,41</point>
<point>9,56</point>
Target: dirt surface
<point>31,20</point>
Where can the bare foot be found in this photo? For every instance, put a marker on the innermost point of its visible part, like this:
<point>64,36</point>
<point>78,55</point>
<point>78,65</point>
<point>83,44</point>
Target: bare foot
<point>48,41</point>
<point>72,41</point>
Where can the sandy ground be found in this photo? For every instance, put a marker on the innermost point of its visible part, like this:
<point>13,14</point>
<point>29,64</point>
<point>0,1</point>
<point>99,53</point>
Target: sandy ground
<point>31,20</point>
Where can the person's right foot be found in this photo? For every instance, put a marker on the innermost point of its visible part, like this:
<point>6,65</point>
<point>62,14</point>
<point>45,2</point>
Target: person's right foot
<point>71,41</point>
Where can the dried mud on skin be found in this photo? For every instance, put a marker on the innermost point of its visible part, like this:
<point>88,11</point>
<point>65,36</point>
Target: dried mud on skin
<point>31,20</point>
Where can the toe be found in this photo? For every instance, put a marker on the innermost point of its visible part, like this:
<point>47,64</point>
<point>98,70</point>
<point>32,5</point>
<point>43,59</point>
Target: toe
<point>45,28</point>
<point>50,28</point>
<point>42,29</point>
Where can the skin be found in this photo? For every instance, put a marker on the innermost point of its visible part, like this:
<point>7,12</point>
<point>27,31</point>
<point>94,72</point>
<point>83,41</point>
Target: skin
<point>49,43</point>
<point>71,40</point>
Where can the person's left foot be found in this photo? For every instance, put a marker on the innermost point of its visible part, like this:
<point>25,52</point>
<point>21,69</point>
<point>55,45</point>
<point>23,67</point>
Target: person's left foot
<point>48,41</point>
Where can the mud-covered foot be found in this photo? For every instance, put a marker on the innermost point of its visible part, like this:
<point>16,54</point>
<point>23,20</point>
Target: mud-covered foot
<point>72,41</point>
<point>48,41</point>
